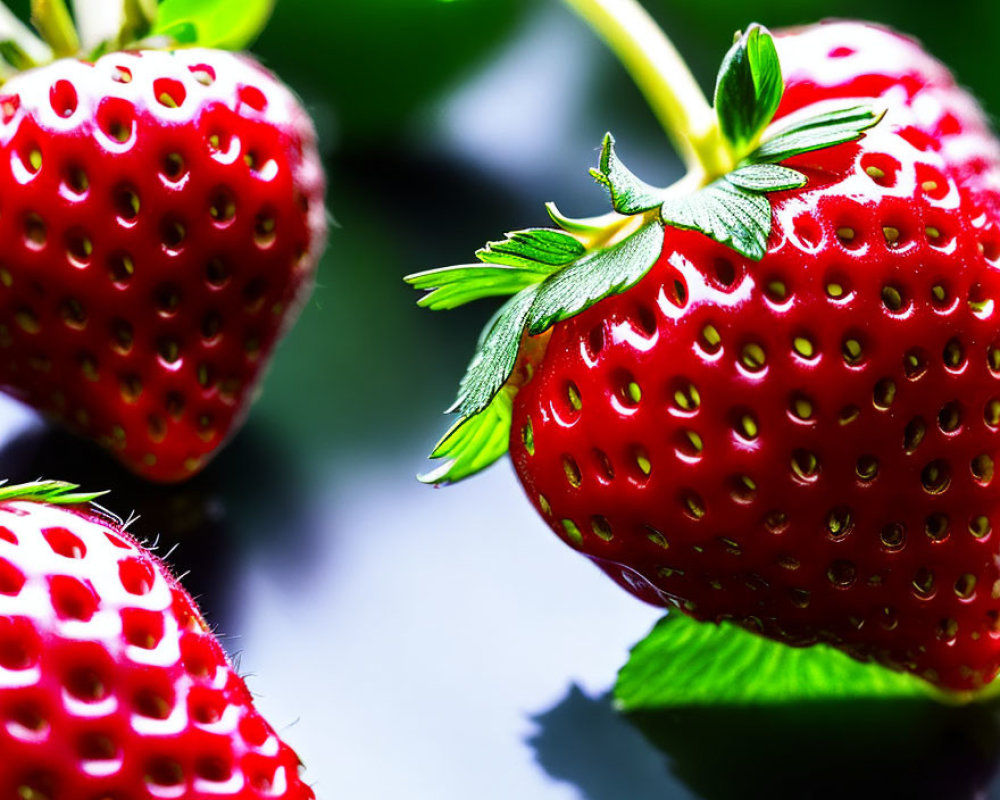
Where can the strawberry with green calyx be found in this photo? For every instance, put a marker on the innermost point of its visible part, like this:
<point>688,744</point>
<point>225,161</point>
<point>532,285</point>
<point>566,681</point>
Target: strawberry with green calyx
<point>781,409</point>
<point>163,213</point>
<point>555,274</point>
<point>111,683</point>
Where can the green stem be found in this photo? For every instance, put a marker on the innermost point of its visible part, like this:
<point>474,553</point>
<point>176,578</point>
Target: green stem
<point>664,79</point>
<point>52,20</point>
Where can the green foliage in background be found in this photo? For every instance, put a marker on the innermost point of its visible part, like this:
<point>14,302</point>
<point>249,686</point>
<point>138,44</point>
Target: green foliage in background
<point>378,61</point>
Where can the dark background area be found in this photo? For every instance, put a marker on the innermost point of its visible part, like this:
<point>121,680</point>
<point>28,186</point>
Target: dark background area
<point>418,643</point>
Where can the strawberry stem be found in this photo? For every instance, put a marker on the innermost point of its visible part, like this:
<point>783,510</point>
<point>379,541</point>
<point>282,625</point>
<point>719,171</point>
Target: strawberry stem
<point>52,20</point>
<point>664,79</point>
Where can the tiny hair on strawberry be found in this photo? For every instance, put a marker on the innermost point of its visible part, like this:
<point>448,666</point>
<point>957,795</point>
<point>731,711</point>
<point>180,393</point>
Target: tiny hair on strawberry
<point>768,396</point>
<point>111,683</point>
<point>163,214</point>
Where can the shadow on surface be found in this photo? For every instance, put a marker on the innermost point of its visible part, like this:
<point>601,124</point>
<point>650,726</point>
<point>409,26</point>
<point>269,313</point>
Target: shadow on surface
<point>244,507</point>
<point>584,741</point>
<point>848,749</point>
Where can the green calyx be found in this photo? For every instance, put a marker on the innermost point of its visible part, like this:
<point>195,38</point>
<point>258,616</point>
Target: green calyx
<point>95,27</point>
<point>553,274</point>
<point>53,492</point>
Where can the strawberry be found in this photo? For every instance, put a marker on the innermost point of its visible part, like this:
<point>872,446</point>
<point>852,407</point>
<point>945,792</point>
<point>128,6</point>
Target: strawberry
<point>163,213</point>
<point>768,394</point>
<point>849,59</point>
<point>111,683</point>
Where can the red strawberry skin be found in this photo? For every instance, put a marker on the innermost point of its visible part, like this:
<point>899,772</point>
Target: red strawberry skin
<point>111,684</point>
<point>163,217</point>
<point>803,445</point>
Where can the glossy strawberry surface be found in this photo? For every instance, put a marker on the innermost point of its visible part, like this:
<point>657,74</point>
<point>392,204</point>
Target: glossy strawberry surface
<point>163,216</point>
<point>111,684</point>
<point>805,444</point>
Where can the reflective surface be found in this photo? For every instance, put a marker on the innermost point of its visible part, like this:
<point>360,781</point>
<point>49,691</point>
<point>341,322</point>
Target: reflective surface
<point>441,644</point>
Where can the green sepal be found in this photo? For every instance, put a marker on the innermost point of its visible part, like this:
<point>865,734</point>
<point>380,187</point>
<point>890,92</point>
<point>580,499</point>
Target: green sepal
<point>727,213</point>
<point>15,31</point>
<point>766,178</point>
<point>516,262</point>
<point>540,249</point>
<point>586,227</point>
<point>629,194</point>
<point>15,55</point>
<point>817,133</point>
<point>496,355</point>
<point>137,21</point>
<point>734,210</point>
<point>473,443</point>
<point>601,273</point>
<point>51,18</point>
<point>55,492</point>
<point>450,287</point>
<point>748,88</point>
<point>683,662</point>
<point>222,24</point>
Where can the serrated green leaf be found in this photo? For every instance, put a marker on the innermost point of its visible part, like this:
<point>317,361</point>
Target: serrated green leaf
<point>766,178</point>
<point>748,88</point>
<point>687,663</point>
<point>450,287</point>
<point>732,215</point>
<point>629,194</point>
<point>223,24</point>
<point>496,355</point>
<point>535,248</point>
<point>597,275</point>
<point>522,259</point>
<point>820,133</point>
<point>473,443</point>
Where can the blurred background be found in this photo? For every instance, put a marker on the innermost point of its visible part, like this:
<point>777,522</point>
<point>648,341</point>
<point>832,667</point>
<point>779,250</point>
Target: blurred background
<point>435,644</point>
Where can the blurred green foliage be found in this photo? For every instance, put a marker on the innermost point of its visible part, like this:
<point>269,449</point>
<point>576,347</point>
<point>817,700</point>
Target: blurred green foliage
<point>377,61</point>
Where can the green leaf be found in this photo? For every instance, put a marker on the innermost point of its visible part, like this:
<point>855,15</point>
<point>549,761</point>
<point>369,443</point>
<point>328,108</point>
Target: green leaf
<point>687,663</point>
<point>629,194</point>
<point>749,88</point>
<point>597,275</point>
<point>496,355</point>
<point>766,178</point>
<point>521,260</point>
<point>451,287</point>
<point>473,443</point>
<point>56,492</point>
<point>534,248</point>
<point>730,214</point>
<point>223,24</point>
<point>836,116</point>
<point>817,133</point>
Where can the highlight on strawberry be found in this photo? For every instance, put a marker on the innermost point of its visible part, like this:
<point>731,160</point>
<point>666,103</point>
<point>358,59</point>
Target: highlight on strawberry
<point>111,683</point>
<point>767,396</point>
<point>162,216</point>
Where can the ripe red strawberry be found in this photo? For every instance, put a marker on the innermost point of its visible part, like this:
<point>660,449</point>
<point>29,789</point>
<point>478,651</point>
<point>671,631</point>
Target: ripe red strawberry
<point>847,59</point>
<point>163,215</point>
<point>790,419</point>
<point>111,684</point>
